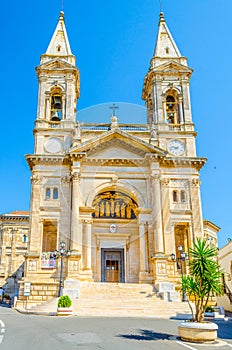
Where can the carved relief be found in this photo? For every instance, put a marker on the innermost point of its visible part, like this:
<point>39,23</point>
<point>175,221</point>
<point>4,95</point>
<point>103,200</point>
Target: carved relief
<point>179,183</point>
<point>32,265</point>
<point>73,266</point>
<point>171,270</point>
<point>161,268</point>
<point>112,204</point>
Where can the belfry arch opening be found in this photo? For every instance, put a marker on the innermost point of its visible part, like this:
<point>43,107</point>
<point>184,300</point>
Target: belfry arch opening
<point>56,105</point>
<point>172,107</point>
<point>113,204</point>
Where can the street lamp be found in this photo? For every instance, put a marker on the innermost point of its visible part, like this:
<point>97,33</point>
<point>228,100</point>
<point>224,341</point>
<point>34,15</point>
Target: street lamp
<point>62,252</point>
<point>183,257</point>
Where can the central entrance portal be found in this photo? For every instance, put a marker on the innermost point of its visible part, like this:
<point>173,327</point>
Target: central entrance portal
<point>112,265</point>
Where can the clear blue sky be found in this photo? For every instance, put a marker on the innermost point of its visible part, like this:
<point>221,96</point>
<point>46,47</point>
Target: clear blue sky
<point>113,42</point>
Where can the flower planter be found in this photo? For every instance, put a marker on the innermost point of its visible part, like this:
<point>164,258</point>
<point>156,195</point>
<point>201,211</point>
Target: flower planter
<point>205,332</point>
<point>64,311</point>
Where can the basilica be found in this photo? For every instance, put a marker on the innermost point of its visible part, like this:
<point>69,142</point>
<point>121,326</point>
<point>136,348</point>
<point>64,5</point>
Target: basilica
<point>122,199</point>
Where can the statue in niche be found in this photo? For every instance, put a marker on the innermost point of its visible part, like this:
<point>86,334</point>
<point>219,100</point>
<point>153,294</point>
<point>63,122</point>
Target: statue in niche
<point>128,211</point>
<point>77,131</point>
<point>117,209</point>
<point>153,131</point>
<point>112,207</point>
<point>102,209</point>
<point>107,209</point>
<point>96,213</point>
<point>123,210</point>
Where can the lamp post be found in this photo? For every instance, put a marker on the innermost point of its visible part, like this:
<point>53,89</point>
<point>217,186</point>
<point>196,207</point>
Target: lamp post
<point>62,252</point>
<point>183,257</point>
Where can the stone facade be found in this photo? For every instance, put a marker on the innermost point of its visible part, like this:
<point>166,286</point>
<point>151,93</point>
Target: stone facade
<point>14,238</point>
<point>122,197</point>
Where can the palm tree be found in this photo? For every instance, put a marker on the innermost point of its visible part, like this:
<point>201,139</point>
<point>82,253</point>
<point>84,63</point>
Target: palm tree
<point>204,279</point>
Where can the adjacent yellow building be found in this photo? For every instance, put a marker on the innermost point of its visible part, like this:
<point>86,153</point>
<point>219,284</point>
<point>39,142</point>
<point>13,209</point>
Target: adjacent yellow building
<point>225,261</point>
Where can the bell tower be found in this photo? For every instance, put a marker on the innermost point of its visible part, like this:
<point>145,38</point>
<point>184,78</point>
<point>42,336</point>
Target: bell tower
<point>167,96</point>
<point>59,90</point>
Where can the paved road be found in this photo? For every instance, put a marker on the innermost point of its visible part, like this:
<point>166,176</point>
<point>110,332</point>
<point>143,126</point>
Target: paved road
<point>24,332</point>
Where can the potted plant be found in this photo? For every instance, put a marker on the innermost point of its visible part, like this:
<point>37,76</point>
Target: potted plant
<point>203,281</point>
<point>64,306</point>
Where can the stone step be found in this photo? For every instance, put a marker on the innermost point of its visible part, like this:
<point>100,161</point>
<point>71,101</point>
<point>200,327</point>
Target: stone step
<point>118,299</point>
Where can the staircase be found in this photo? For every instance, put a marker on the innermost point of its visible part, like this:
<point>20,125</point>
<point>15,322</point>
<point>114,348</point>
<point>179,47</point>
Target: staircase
<point>117,300</point>
<point>124,300</point>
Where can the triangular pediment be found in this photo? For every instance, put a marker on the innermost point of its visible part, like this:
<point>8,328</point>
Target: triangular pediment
<point>172,67</point>
<point>116,145</point>
<point>57,63</point>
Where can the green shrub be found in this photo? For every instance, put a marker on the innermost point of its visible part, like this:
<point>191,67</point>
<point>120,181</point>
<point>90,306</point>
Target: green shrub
<point>209,309</point>
<point>64,301</point>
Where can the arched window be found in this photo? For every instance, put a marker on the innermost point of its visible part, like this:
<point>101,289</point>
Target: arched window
<point>175,196</point>
<point>183,196</point>
<point>172,113</point>
<point>48,193</point>
<point>56,107</point>
<point>55,193</point>
<point>24,239</point>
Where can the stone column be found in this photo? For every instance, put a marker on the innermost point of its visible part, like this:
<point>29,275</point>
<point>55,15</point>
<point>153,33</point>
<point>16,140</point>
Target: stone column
<point>143,248</point>
<point>165,204</point>
<point>89,244</point>
<point>197,222</point>
<point>75,232</point>
<point>37,192</point>
<point>157,214</point>
<point>86,273</point>
<point>180,110</point>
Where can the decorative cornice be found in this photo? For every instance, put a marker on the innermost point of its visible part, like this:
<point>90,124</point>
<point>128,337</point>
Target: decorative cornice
<point>34,160</point>
<point>196,163</point>
<point>6,218</point>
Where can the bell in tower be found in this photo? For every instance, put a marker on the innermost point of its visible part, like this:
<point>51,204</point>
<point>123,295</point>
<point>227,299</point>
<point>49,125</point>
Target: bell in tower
<point>56,108</point>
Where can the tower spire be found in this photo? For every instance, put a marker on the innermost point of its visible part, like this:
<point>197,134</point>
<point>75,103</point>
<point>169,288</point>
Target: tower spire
<point>59,44</point>
<point>165,44</point>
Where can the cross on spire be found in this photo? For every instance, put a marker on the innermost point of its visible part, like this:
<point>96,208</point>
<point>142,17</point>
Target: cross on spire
<point>114,107</point>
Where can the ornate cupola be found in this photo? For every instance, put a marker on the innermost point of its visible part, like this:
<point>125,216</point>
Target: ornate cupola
<point>166,85</point>
<point>59,86</point>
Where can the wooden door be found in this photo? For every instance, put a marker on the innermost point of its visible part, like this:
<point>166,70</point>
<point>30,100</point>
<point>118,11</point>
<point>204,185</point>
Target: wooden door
<point>112,271</point>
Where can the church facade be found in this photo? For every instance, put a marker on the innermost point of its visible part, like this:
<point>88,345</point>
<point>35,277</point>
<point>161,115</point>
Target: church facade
<point>122,197</point>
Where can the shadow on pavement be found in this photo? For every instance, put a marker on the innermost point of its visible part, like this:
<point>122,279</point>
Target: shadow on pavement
<point>5,305</point>
<point>146,335</point>
<point>180,316</point>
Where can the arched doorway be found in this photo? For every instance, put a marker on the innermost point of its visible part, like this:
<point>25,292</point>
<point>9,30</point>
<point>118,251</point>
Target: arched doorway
<point>114,219</point>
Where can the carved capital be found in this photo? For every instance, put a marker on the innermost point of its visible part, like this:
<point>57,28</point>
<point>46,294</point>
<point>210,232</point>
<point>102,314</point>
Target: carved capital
<point>86,221</point>
<point>195,182</point>
<point>76,176</point>
<point>165,182</point>
<point>65,179</point>
<point>155,177</point>
<point>36,179</point>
